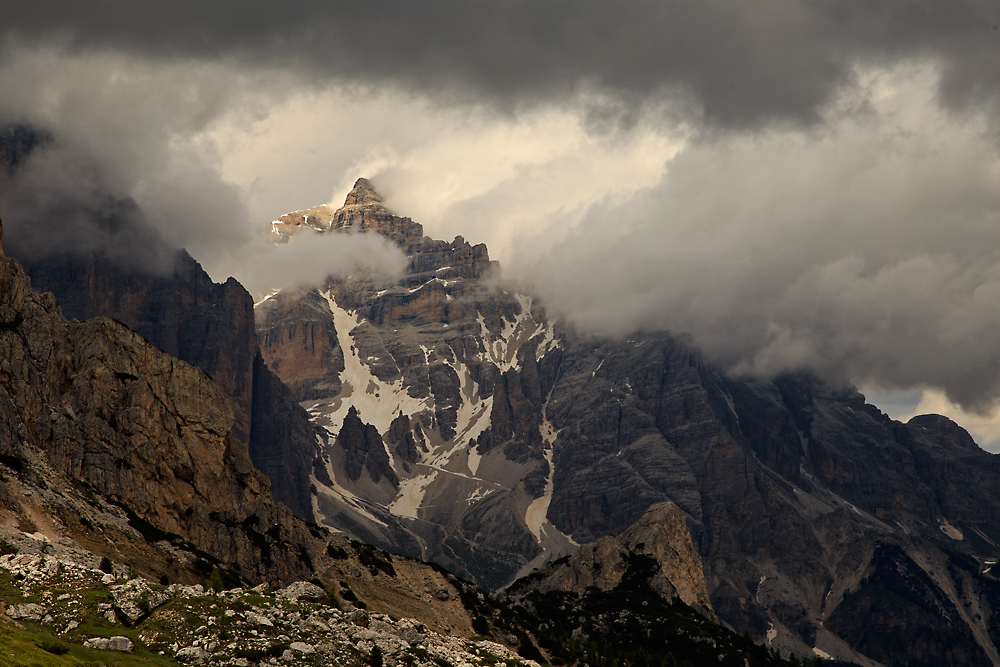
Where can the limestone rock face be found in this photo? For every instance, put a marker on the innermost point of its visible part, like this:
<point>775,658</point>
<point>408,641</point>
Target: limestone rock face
<point>184,314</point>
<point>299,343</point>
<point>209,325</point>
<point>105,407</point>
<point>283,442</point>
<point>365,449</point>
<point>662,534</point>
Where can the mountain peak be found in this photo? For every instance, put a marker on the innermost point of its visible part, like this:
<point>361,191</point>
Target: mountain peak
<point>362,194</point>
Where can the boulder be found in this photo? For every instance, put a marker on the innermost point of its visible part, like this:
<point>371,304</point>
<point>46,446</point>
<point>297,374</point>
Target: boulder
<point>28,611</point>
<point>191,655</point>
<point>135,599</point>
<point>302,591</point>
<point>116,643</point>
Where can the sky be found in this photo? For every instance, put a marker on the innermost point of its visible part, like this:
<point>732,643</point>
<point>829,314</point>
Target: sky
<point>796,184</point>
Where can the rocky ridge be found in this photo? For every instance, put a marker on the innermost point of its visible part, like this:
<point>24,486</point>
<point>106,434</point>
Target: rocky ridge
<point>524,438</point>
<point>661,535</point>
<point>130,273</point>
<point>209,325</point>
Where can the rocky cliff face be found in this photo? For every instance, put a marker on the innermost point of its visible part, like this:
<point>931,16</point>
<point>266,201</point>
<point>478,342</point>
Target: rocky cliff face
<point>524,439</point>
<point>96,402</point>
<point>661,535</point>
<point>171,302</point>
<point>206,324</point>
<point>184,314</point>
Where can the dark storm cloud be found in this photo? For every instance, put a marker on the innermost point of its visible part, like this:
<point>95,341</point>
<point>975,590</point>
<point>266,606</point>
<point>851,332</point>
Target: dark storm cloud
<point>742,62</point>
<point>115,174</point>
<point>835,206</point>
<point>54,202</point>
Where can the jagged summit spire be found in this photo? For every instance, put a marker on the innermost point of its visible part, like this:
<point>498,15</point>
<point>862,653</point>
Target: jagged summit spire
<point>362,194</point>
<point>362,211</point>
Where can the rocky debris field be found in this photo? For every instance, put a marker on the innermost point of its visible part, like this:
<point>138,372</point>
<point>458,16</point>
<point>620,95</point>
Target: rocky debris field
<point>63,609</point>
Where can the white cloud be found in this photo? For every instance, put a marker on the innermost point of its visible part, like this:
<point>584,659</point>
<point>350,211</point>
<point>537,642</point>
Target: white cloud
<point>489,177</point>
<point>865,248</point>
<point>309,257</point>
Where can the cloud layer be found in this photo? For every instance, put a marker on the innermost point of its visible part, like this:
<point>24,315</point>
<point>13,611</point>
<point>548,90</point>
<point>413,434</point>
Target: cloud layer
<point>867,249</point>
<point>309,257</point>
<point>796,184</point>
<point>741,63</point>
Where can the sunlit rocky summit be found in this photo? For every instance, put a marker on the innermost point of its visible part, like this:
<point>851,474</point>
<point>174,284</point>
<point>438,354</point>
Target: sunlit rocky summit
<point>404,377</point>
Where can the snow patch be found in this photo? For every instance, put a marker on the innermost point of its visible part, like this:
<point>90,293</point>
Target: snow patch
<point>950,530</point>
<point>535,517</point>
<point>478,494</point>
<point>475,458</point>
<point>411,495</point>
<point>377,402</point>
<point>267,296</point>
<point>473,414</point>
<point>549,341</point>
<point>446,283</point>
<point>502,350</point>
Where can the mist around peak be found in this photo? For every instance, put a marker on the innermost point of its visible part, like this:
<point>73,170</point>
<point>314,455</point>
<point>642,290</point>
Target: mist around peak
<point>309,257</point>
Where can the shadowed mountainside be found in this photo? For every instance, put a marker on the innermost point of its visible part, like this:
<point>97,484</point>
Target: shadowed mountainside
<point>514,438</point>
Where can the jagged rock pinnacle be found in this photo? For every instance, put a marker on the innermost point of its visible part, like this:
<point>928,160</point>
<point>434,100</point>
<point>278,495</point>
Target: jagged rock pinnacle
<point>363,193</point>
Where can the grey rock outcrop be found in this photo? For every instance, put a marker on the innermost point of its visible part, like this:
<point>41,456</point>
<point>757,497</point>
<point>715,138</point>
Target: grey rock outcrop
<point>135,600</point>
<point>365,449</point>
<point>27,611</point>
<point>192,654</point>
<point>661,534</point>
<point>116,643</point>
<point>302,590</point>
